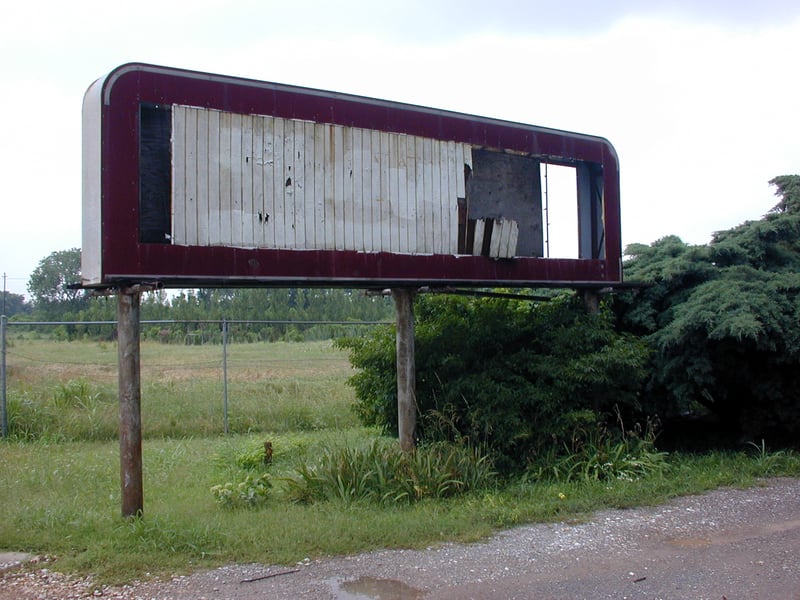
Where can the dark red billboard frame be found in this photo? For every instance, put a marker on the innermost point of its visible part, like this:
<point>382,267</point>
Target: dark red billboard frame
<point>124,259</point>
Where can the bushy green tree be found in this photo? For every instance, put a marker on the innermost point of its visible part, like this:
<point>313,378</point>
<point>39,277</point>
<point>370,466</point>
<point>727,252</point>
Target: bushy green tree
<point>518,376</point>
<point>723,322</point>
<point>49,285</point>
<point>13,304</point>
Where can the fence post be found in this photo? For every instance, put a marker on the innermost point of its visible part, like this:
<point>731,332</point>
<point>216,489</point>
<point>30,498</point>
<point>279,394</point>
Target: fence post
<point>225,373</point>
<point>130,398</point>
<point>3,405</point>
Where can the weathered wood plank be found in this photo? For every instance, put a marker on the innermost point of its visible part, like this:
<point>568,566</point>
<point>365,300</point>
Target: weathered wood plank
<point>179,176</point>
<point>358,191</point>
<point>375,190</point>
<point>268,171</point>
<point>213,166</point>
<point>308,185</point>
<point>298,180</point>
<point>236,180</point>
<point>247,164</point>
<point>257,162</point>
<point>319,186</point>
<point>347,188</point>
<point>278,184</point>
<point>202,177</point>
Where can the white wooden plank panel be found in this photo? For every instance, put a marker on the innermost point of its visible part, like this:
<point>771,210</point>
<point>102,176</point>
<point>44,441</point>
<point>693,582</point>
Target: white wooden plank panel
<point>505,234</point>
<point>494,242</point>
<point>419,185</point>
<point>202,176</point>
<point>411,192</point>
<point>308,185</point>
<point>298,185</point>
<point>477,245</point>
<point>385,196</point>
<point>375,191</point>
<point>225,179</point>
<point>347,188</point>
<point>338,188</point>
<point>320,163</point>
<point>278,183</point>
<point>436,197</point>
<point>513,239</point>
<point>429,197</point>
<point>461,191</point>
<point>403,209</point>
<point>288,184</point>
<point>236,180</point>
<point>358,190</point>
<point>179,175</point>
<point>247,164</point>
<point>257,162</point>
<point>366,189</point>
<point>268,182</point>
<point>329,170</point>
<point>393,204</point>
<point>450,207</point>
<point>213,167</point>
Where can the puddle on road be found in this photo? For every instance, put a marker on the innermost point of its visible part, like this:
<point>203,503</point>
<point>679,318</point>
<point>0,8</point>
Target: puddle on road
<point>371,588</point>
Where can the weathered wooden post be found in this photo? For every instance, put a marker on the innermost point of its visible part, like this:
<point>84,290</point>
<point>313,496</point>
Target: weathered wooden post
<point>406,368</point>
<point>591,300</point>
<point>130,394</point>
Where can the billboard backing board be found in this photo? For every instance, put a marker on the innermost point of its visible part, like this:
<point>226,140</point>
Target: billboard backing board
<point>195,179</point>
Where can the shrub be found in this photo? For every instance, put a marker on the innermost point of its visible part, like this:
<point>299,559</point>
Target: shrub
<point>517,377</point>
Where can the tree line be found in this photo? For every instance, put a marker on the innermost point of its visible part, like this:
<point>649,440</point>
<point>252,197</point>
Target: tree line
<point>54,298</point>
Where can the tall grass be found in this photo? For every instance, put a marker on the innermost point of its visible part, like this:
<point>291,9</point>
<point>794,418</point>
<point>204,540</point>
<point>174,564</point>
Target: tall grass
<point>66,391</point>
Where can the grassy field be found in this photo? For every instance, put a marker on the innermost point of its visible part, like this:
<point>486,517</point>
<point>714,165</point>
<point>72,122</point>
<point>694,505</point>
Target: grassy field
<point>60,494</point>
<point>67,390</point>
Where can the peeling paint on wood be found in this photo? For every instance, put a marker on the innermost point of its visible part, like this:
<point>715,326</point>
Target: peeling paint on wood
<point>323,186</point>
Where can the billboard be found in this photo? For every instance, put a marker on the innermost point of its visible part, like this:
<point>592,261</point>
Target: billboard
<point>199,180</point>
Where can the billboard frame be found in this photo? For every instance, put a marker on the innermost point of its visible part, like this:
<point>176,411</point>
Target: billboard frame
<point>114,255</point>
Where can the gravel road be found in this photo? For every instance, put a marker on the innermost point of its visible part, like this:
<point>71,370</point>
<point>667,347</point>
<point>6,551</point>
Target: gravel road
<point>727,544</point>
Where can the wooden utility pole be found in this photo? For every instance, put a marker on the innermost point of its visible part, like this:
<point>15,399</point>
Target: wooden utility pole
<point>406,368</point>
<point>130,396</point>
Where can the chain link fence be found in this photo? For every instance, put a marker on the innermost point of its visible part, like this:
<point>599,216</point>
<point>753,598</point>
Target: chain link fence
<point>270,374</point>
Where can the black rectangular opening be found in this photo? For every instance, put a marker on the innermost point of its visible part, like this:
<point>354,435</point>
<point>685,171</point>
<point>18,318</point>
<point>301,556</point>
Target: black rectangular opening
<point>155,173</point>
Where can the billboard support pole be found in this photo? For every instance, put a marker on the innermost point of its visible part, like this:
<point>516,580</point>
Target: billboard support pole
<point>130,393</point>
<point>406,368</point>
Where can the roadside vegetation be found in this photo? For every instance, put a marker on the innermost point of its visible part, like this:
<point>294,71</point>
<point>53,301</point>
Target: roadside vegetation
<point>528,410</point>
<point>331,486</point>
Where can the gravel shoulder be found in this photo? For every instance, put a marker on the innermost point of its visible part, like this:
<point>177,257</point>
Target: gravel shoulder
<point>729,543</point>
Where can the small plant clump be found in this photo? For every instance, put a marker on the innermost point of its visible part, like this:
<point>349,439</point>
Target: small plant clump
<point>383,473</point>
<point>598,456</point>
<point>251,492</point>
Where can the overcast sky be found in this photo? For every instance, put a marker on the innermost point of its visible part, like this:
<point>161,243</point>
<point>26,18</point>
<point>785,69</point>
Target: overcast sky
<point>700,98</point>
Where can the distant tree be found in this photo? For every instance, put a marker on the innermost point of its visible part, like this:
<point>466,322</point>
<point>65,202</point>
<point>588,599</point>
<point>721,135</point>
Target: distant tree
<point>13,304</point>
<point>722,321</point>
<point>49,284</point>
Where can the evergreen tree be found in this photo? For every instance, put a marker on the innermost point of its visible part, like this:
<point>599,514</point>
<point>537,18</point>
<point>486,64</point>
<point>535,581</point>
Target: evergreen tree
<point>722,320</point>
